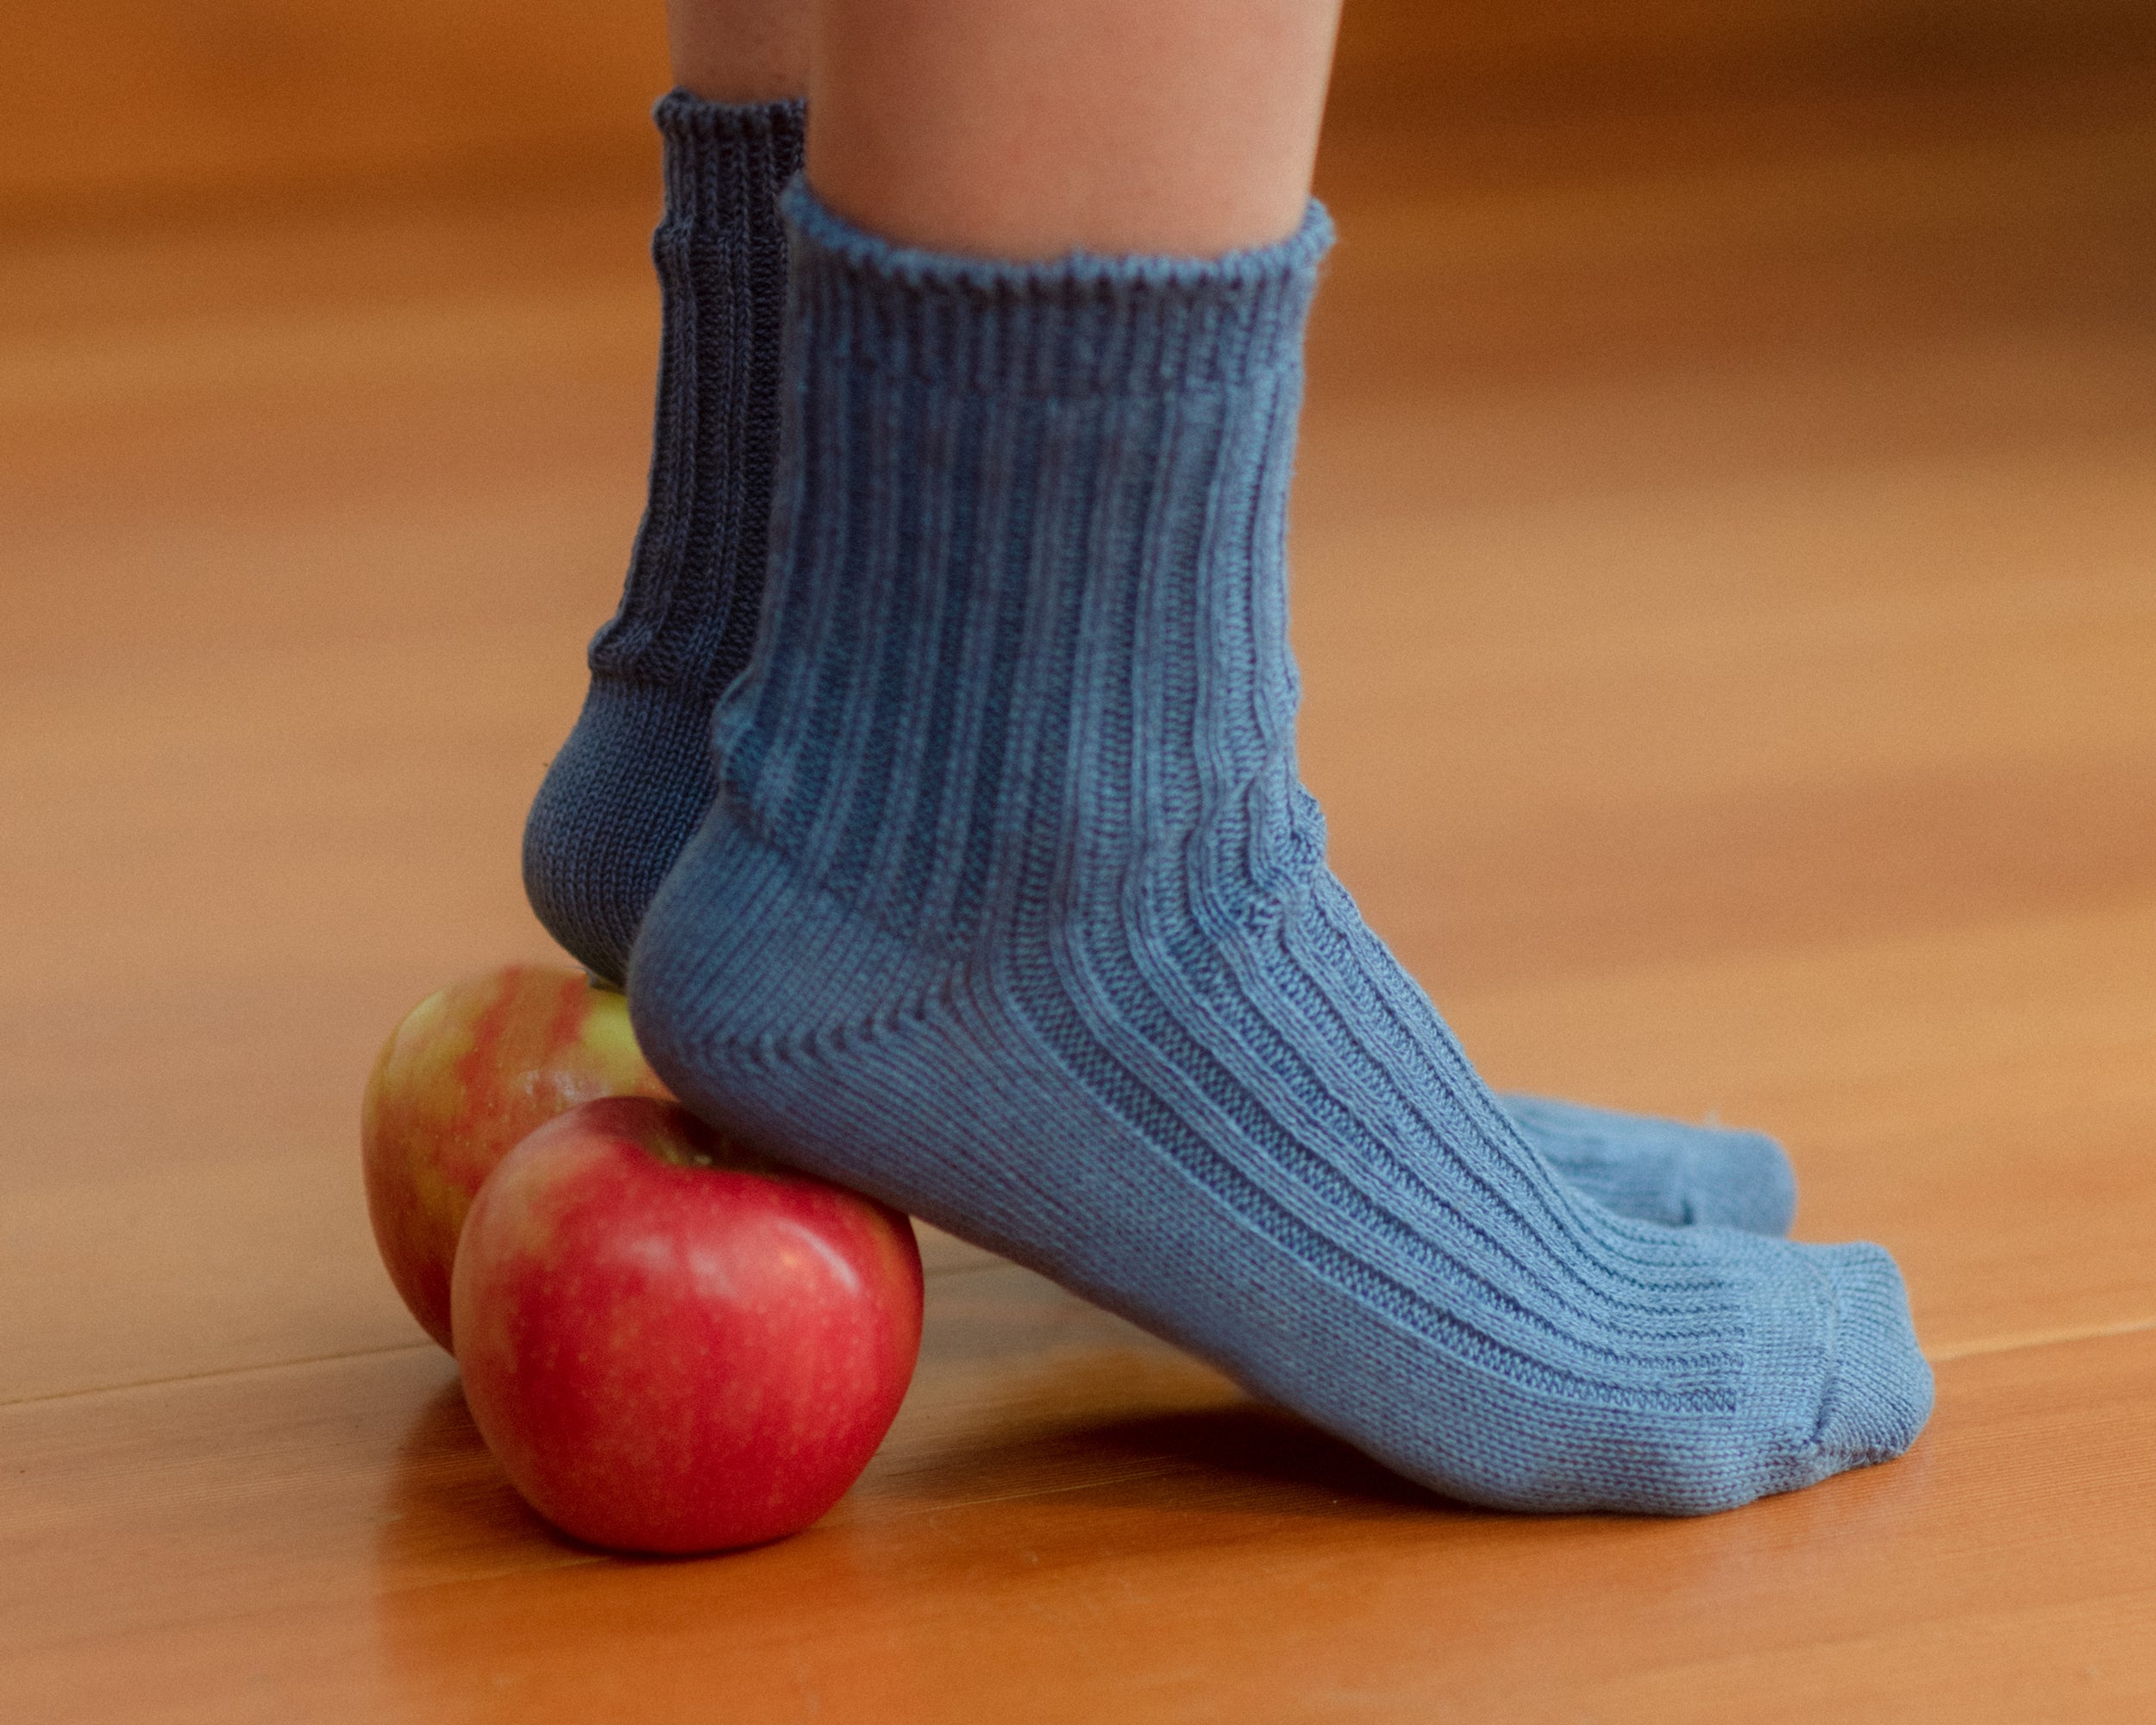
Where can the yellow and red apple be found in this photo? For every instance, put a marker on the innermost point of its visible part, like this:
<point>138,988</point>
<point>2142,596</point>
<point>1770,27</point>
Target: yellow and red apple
<point>473,1069</point>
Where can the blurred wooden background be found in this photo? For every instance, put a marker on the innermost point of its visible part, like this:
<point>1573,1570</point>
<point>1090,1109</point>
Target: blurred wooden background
<point>1725,594</point>
<point>152,105</point>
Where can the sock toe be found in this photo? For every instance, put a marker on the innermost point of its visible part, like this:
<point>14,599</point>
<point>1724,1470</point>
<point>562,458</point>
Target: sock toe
<point>1881,1396</point>
<point>1661,1171</point>
<point>1739,1180</point>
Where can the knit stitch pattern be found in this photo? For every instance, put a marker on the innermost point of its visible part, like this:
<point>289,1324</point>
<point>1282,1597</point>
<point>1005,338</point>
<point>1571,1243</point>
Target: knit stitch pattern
<point>1662,1171</point>
<point>1012,911</point>
<point>635,777</point>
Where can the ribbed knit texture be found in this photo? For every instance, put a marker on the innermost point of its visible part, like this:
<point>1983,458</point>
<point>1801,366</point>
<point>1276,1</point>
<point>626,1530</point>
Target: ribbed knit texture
<point>1662,1171</point>
<point>1014,912</point>
<point>634,778</point>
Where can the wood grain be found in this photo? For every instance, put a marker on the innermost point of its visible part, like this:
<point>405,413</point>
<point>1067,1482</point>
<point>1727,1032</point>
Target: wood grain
<point>1725,603</point>
<point>1069,1521</point>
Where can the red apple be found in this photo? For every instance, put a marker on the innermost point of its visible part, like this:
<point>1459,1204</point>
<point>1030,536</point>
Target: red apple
<point>472,1070</point>
<point>672,1344</point>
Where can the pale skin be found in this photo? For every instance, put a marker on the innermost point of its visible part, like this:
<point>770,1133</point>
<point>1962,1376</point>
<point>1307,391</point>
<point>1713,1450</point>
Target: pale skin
<point>1015,129</point>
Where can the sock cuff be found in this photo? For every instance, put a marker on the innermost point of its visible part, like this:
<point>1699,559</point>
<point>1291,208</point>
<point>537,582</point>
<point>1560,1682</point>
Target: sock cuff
<point>687,615</point>
<point>1083,324</point>
<point>716,153</point>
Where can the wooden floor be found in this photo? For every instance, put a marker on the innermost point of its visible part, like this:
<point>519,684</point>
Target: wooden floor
<point>1726,593</point>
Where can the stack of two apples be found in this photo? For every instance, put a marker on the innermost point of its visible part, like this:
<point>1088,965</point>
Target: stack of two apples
<point>669,1342</point>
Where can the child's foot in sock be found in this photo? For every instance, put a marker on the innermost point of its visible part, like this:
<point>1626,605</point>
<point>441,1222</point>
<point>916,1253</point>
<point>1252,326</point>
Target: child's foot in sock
<point>635,777</point>
<point>1658,1170</point>
<point>1014,913</point>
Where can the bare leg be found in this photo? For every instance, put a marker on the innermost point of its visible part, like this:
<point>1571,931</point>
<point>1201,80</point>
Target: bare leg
<point>1013,130</point>
<point>739,50</point>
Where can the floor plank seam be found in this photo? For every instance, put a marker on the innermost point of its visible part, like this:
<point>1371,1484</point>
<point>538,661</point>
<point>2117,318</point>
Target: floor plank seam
<point>1937,1357</point>
<point>2041,1338</point>
<point>211,1376</point>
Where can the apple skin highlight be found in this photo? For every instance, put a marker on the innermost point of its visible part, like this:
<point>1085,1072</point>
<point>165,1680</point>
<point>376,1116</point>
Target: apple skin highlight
<point>672,1346</point>
<point>472,1070</point>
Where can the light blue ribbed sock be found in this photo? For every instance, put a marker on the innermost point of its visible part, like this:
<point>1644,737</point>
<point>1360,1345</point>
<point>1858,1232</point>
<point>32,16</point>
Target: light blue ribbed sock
<point>1659,1171</point>
<point>1014,912</point>
<point>634,778</point>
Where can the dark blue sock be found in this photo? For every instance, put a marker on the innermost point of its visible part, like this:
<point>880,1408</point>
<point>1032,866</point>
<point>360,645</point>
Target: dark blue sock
<point>635,778</point>
<point>1012,911</point>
